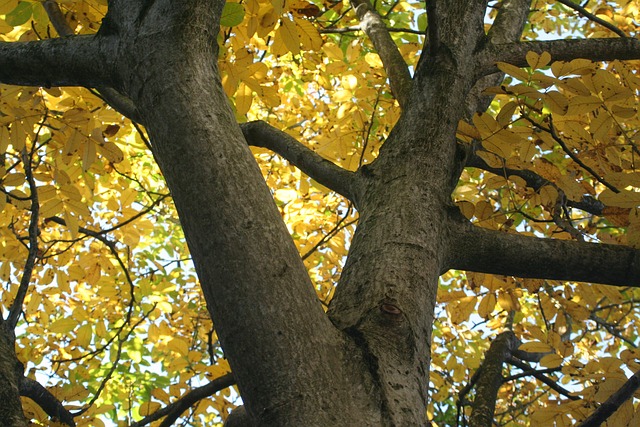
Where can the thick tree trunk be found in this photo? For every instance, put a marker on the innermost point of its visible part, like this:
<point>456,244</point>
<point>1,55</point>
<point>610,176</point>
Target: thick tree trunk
<point>292,365</point>
<point>367,362</point>
<point>10,405</point>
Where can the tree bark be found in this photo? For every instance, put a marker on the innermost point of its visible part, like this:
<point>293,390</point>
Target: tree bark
<point>367,361</point>
<point>10,405</point>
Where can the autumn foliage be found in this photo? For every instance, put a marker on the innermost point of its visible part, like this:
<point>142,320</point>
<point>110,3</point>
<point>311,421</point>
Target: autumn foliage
<point>111,319</point>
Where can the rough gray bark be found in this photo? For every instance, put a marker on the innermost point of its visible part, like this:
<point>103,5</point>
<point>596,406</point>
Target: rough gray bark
<point>490,379</point>
<point>10,404</point>
<point>367,361</point>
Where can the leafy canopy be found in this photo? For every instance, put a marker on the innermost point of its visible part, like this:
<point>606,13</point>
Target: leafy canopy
<point>114,323</point>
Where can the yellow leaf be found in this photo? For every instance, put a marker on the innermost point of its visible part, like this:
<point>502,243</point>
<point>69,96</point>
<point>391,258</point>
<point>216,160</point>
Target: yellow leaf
<point>5,139</point>
<point>51,208</point>
<point>149,408</point>
<point>536,61</point>
<point>466,208</point>
<point>508,301</point>
<point>485,124</point>
<point>600,126</point>
<point>548,196</point>
<point>577,66</point>
<point>623,199</point>
<point>583,104</point>
<point>71,223</point>
<point>244,99</point>
<point>551,361</point>
<point>527,151</point>
<point>460,310</point>
<point>289,34</point>
<point>110,151</point>
<point>535,347</point>
<point>514,71</point>
<point>373,60</point>
<point>487,304</point>
<point>483,210</point>
<point>14,179</point>
<point>505,116</point>
<point>46,192</point>
<point>557,102</point>
<point>7,6</point>
<point>308,33</point>
<point>63,326</point>
<point>161,395</point>
<point>34,303</point>
<point>349,82</point>
<point>286,195</point>
<point>84,335</point>
<point>611,292</point>
<point>179,345</point>
<point>88,155</point>
<point>467,132</point>
<point>491,159</point>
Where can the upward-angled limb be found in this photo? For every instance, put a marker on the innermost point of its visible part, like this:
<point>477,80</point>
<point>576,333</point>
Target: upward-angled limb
<point>506,28</point>
<point>509,22</point>
<point>394,64</point>
<point>488,251</point>
<point>261,134</point>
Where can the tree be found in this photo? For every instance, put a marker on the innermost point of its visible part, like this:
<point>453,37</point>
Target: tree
<point>526,182</point>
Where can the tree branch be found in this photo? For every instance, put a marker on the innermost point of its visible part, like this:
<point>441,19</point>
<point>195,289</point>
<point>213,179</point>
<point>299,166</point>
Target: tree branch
<point>56,17</point>
<point>173,411</point>
<point>332,30</point>
<point>394,64</point>
<point>48,402</point>
<point>535,181</point>
<point>508,25</point>
<point>506,28</point>
<point>69,61</point>
<point>115,99</point>
<point>490,379</point>
<point>488,251</point>
<point>34,231</point>
<point>527,370</point>
<point>261,134</point>
<point>11,370</point>
<point>563,50</point>
<point>592,17</point>
<point>614,402</point>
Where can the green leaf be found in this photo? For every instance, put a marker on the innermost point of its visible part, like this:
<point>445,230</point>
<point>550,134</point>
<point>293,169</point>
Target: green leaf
<point>20,15</point>
<point>232,15</point>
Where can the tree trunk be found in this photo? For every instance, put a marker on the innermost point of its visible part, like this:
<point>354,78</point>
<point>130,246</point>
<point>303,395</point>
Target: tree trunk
<point>10,405</point>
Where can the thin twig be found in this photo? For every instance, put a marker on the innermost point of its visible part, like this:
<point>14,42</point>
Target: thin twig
<point>16,306</point>
<point>344,30</point>
<point>592,17</point>
<point>173,410</point>
<point>552,131</point>
<point>536,374</point>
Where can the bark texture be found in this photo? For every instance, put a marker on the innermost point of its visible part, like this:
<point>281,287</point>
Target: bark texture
<point>366,362</point>
<point>10,370</point>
